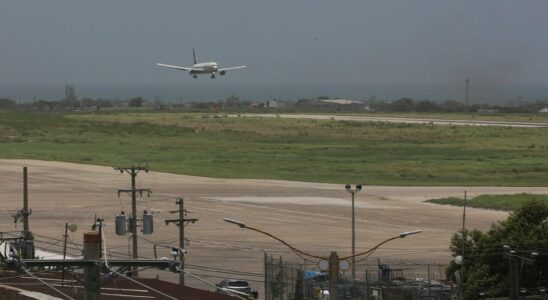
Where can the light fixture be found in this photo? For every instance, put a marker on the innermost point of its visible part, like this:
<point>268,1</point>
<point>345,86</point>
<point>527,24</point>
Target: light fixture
<point>404,234</point>
<point>241,224</point>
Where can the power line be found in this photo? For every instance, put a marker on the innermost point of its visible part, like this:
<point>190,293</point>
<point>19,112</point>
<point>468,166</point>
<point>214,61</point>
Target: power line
<point>144,285</point>
<point>42,281</point>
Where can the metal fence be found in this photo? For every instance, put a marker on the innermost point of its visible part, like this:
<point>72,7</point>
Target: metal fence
<point>374,281</point>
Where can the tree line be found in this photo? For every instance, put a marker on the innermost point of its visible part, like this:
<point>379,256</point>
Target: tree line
<point>301,105</point>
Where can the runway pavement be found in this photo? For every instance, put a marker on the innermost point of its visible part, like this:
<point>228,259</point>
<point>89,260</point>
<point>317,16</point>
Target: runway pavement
<point>313,217</point>
<point>446,122</point>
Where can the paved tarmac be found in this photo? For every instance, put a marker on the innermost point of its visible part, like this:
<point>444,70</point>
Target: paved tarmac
<point>446,122</point>
<point>313,217</point>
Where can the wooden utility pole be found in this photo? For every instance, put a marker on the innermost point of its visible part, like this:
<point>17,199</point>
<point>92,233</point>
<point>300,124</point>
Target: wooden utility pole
<point>22,215</point>
<point>133,171</point>
<point>181,222</point>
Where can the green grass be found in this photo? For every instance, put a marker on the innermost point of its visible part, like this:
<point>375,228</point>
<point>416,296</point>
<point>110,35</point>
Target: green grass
<point>293,149</point>
<point>497,202</point>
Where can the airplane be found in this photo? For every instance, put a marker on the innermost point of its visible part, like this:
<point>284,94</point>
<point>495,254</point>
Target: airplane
<point>202,68</point>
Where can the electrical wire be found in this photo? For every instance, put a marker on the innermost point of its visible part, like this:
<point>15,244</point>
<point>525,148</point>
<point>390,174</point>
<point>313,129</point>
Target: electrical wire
<point>209,283</point>
<point>143,285</point>
<point>48,285</point>
<point>190,266</point>
<point>224,277</point>
<point>22,275</point>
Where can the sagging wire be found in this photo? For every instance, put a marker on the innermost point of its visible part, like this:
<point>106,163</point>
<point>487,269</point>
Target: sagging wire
<point>19,276</point>
<point>24,269</point>
<point>209,283</point>
<point>143,285</point>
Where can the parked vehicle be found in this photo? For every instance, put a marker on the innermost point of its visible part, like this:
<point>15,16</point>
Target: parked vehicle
<point>237,287</point>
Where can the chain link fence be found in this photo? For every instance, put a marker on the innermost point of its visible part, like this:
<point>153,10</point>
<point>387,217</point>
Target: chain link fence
<point>374,281</point>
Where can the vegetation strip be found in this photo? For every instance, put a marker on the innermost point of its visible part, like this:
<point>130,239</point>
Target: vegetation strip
<point>496,202</point>
<point>291,149</point>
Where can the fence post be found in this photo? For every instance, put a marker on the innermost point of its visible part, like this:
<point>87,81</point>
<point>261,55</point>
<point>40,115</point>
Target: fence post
<point>367,286</point>
<point>265,276</point>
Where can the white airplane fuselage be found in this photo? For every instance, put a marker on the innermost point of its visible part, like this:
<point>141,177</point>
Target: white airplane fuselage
<point>205,68</point>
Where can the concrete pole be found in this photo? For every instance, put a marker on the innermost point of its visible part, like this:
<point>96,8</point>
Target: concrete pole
<point>333,275</point>
<point>92,277</point>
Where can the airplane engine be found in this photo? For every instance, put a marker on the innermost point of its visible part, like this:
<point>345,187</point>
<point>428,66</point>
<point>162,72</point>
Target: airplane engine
<point>222,72</point>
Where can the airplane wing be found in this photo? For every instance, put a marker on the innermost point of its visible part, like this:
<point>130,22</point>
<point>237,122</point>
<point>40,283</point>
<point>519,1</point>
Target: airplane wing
<point>177,67</point>
<point>231,68</point>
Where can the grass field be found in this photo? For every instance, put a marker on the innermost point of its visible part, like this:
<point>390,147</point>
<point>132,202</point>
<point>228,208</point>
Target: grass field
<point>497,202</point>
<point>293,149</point>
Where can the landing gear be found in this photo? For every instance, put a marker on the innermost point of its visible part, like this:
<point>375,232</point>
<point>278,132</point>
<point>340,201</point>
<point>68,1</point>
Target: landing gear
<point>212,75</point>
<point>195,76</point>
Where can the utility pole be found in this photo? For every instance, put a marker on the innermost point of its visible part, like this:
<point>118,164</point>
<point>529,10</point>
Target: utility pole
<point>463,246</point>
<point>22,215</point>
<point>95,262</point>
<point>467,94</point>
<point>514,276</point>
<point>25,211</point>
<point>133,171</point>
<point>333,275</point>
<point>513,272</point>
<point>92,276</point>
<point>181,222</point>
<point>64,253</point>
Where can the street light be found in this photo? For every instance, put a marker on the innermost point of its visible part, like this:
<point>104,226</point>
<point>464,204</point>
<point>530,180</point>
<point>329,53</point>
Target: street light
<point>242,225</point>
<point>399,236</point>
<point>349,189</point>
<point>333,259</point>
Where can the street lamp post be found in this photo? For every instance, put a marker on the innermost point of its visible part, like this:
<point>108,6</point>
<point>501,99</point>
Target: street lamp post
<point>333,260</point>
<point>353,192</point>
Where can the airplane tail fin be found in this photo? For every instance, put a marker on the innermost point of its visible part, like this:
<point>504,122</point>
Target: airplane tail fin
<point>194,54</point>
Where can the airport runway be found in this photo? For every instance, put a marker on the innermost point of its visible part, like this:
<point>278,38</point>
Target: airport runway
<point>311,216</point>
<point>402,120</point>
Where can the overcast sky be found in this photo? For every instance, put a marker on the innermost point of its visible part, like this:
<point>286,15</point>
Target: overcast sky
<point>317,42</point>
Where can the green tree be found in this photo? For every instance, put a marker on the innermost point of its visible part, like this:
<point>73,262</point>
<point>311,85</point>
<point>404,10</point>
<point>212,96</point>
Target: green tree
<point>426,106</point>
<point>404,104</point>
<point>486,264</point>
<point>6,103</point>
<point>136,102</point>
